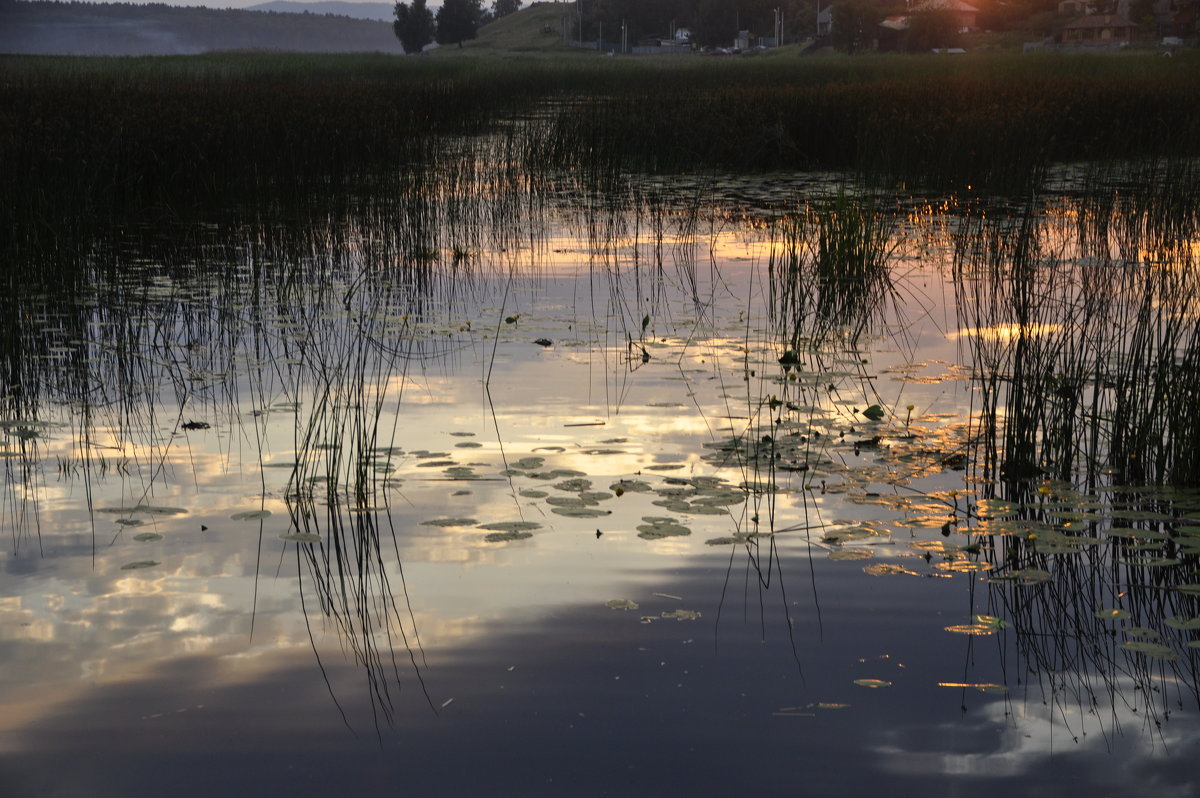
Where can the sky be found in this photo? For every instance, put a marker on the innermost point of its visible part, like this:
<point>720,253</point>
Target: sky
<point>432,4</point>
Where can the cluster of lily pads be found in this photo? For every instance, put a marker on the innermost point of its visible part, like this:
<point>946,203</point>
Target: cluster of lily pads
<point>571,494</point>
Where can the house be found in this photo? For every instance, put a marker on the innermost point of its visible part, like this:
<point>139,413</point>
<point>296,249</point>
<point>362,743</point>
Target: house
<point>1098,30</point>
<point>825,20</point>
<point>892,34</point>
<point>964,13</point>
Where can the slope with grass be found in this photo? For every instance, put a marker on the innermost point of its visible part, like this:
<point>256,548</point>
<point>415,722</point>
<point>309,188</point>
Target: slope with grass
<point>535,30</point>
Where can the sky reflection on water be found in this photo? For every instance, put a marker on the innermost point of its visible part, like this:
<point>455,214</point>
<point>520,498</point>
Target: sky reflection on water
<point>201,672</point>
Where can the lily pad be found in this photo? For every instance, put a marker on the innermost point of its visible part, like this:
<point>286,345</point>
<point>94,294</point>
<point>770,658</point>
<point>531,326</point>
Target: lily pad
<point>740,537</point>
<point>681,615</point>
<point>512,526</point>
<point>621,604</point>
<point>972,629</point>
<point>887,569</point>
<point>138,565</point>
<point>990,620</point>
<point>251,515</point>
<point>504,537</point>
<point>147,537</point>
<point>629,486</point>
<point>301,537</point>
<point>1114,614</point>
<point>147,509</point>
<point>874,412</point>
<point>580,512</point>
<point>658,527</point>
<point>1183,624</point>
<point>851,554</point>
<point>1150,649</point>
<point>450,522</point>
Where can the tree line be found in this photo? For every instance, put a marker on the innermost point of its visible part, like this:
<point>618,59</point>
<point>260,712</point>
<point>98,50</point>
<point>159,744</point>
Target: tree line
<point>455,22</point>
<point>710,22</point>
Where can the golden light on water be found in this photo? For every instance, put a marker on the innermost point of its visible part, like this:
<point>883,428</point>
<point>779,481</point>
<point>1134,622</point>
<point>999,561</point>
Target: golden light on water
<point>1006,333</point>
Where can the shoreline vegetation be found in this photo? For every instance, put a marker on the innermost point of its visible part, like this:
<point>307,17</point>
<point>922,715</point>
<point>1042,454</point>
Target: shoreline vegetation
<point>125,138</point>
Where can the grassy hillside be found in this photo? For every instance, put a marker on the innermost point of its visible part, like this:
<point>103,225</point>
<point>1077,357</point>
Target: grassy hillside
<point>41,28</point>
<point>530,31</point>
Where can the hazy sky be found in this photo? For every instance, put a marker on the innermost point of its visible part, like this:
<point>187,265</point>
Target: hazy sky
<point>245,3</point>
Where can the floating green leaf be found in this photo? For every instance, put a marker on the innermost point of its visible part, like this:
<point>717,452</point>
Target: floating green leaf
<point>1183,624</point>
<point>1150,649</point>
<point>503,537</point>
<point>659,527</point>
<point>147,537</point>
<point>580,512</point>
<point>301,537</point>
<point>251,515</point>
<point>147,509</point>
<point>621,604</point>
<point>887,569</point>
<point>1114,614</point>
<point>1033,576</point>
<point>512,526</point>
<point>990,620</point>
<point>740,537</point>
<point>1141,631</point>
<point>138,564</point>
<point>681,615</point>
<point>972,629</point>
<point>851,554</point>
<point>450,522</point>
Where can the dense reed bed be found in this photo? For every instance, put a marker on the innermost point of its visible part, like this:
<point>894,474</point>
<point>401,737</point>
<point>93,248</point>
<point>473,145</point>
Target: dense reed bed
<point>166,136</point>
<point>1081,322</point>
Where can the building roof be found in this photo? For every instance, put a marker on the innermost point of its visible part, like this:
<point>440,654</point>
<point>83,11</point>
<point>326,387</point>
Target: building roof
<point>946,5</point>
<point>1099,21</point>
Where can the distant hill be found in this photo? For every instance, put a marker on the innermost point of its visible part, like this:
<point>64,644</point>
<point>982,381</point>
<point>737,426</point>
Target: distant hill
<point>77,28</point>
<point>376,11</point>
<point>538,27</point>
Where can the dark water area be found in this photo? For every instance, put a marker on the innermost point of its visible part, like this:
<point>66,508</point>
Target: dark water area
<point>587,702</point>
<point>678,488</point>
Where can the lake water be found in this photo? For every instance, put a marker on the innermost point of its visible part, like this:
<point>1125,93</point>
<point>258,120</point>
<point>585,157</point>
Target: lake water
<point>529,504</point>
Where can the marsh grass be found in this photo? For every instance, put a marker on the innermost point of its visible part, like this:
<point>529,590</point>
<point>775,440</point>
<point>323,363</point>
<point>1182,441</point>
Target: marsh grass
<point>830,273</point>
<point>1083,579</point>
<point>89,140</point>
<point>1080,318</point>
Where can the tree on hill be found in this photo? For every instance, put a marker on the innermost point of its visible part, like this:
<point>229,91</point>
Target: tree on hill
<point>502,8</point>
<point>457,21</point>
<point>413,25</point>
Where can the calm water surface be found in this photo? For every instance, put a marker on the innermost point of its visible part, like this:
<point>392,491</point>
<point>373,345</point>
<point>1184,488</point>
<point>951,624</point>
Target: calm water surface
<point>257,488</point>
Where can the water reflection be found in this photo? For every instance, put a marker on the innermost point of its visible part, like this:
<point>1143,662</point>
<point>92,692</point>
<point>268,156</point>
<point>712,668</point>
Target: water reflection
<point>367,474</point>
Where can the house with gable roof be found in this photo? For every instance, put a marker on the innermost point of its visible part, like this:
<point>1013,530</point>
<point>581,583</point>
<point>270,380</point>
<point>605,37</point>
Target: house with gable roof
<point>1098,30</point>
